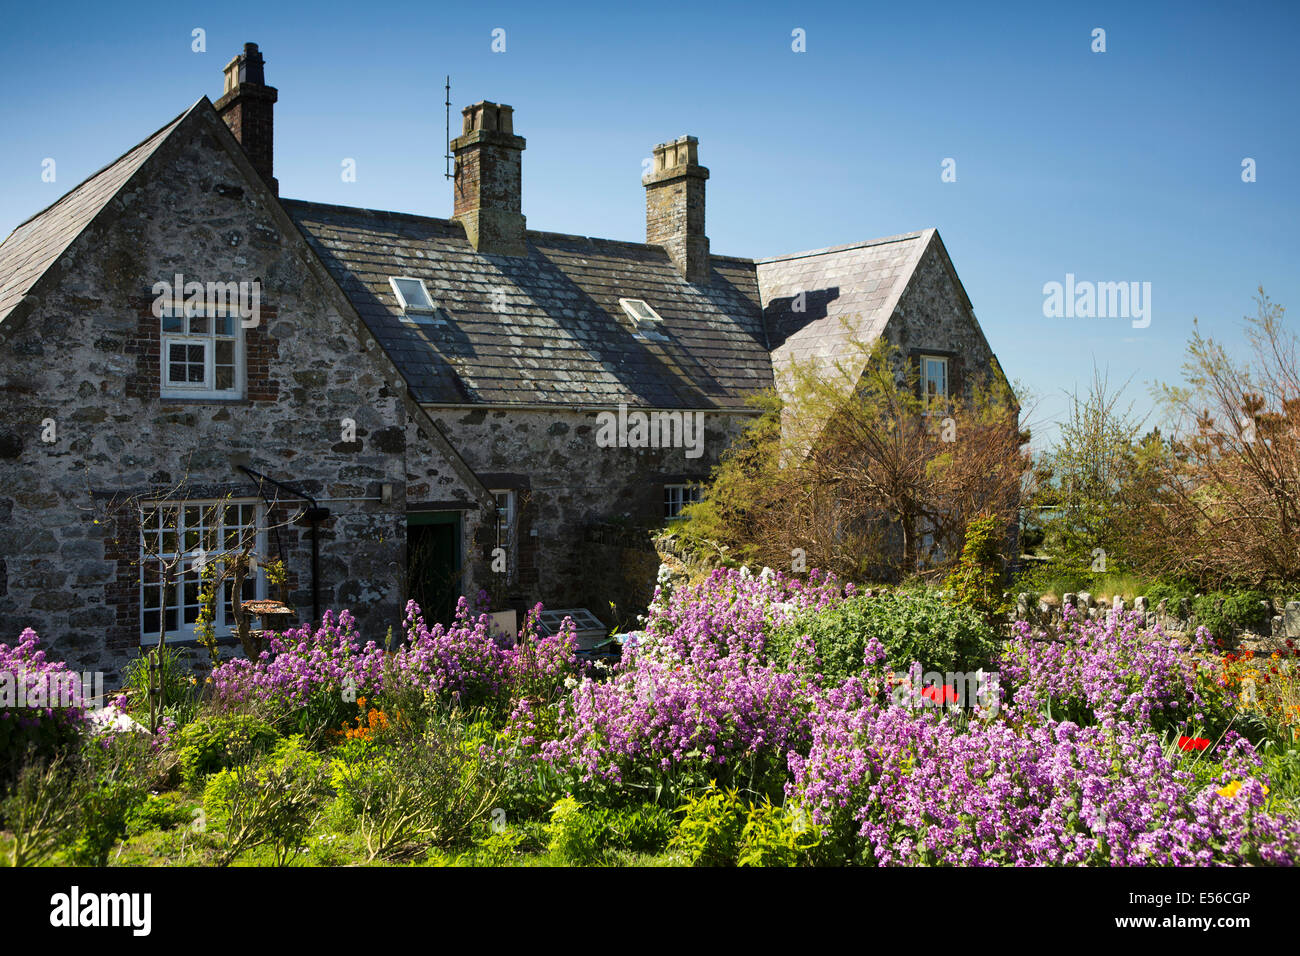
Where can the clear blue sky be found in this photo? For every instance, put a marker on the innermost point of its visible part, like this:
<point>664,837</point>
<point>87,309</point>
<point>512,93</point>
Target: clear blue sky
<point>1115,166</point>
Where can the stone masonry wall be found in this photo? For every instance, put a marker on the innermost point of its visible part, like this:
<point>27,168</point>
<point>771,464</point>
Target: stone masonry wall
<point>574,496</point>
<point>83,357</point>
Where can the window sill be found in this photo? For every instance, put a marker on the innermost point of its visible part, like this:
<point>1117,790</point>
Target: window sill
<point>229,640</point>
<point>202,400</point>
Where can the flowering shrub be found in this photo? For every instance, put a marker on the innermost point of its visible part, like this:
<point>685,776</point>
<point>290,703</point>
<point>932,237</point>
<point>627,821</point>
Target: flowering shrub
<point>662,718</point>
<point>317,676</point>
<point>1266,689</point>
<point>734,611</point>
<point>913,788</point>
<point>1112,669</point>
<point>310,678</point>
<point>41,710</point>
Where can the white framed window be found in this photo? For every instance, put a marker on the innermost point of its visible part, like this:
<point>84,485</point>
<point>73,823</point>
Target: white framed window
<point>411,294</point>
<point>202,354</point>
<point>506,519</point>
<point>677,497</point>
<point>640,312</point>
<point>176,539</point>
<point>934,379</point>
<point>647,322</point>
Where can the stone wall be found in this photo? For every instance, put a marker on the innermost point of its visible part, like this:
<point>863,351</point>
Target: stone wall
<point>81,355</point>
<point>1284,621</point>
<point>583,507</point>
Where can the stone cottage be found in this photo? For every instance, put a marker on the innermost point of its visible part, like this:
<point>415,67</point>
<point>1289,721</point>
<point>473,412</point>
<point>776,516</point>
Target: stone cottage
<point>389,405</point>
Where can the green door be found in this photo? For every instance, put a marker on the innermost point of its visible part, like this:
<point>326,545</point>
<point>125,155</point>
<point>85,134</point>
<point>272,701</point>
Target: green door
<point>433,563</point>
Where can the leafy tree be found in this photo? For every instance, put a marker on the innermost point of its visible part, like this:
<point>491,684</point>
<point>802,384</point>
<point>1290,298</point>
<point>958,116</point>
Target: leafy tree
<point>849,469</point>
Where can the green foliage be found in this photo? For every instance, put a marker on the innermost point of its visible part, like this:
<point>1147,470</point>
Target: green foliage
<point>179,685</point>
<point>164,811</point>
<point>911,625</point>
<point>570,835</point>
<point>204,631</point>
<point>219,742</point>
<point>422,789</point>
<point>976,582</point>
<point>711,829</point>
<point>498,848</point>
<point>582,834</point>
<point>271,801</point>
<point>115,776</point>
<point>776,836</point>
<point>41,808</point>
<point>1225,613</point>
<point>289,758</point>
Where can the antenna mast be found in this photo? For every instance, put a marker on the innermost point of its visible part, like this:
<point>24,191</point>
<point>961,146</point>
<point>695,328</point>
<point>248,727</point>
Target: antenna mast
<point>447,171</point>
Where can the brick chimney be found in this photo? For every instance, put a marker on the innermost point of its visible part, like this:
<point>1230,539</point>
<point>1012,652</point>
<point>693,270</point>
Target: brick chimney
<point>674,207</point>
<point>488,182</point>
<point>247,106</point>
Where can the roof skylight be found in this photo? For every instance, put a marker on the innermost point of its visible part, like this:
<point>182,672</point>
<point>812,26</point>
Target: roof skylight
<point>641,313</point>
<point>411,294</point>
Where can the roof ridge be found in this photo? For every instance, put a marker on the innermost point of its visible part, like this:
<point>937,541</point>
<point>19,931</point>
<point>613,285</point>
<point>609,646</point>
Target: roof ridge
<point>535,233</point>
<point>900,237</point>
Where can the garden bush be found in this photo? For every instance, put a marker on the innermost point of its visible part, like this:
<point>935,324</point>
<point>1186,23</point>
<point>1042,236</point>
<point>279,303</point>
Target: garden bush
<point>218,742</point>
<point>272,800</point>
<point>423,790</point>
<point>906,626</point>
<point>775,835</point>
<point>163,811</point>
<point>40,730</point>
<point>115,774</point>
<point>711,829</point>
<point>582,834</point>
<point>976,581</point>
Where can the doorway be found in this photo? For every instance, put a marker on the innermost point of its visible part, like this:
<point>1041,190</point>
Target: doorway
<point>433,563</point>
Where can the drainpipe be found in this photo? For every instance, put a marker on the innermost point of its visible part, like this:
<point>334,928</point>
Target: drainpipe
<point>314,515</point>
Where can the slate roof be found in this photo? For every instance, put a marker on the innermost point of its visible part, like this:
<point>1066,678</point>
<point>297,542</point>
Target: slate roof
<point>547,328</point>
<point>848,291</point>
<point>560,335</point>
<point>35,245</point>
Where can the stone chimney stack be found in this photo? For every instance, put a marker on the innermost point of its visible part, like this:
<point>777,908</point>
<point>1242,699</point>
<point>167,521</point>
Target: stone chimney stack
<point>488,181</point>
<point>674,207</point>
<point>247,106</point>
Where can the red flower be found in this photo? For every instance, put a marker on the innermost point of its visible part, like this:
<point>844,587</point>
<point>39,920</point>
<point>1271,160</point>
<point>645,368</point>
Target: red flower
<point>1192,743</point>
<point>941,694</point>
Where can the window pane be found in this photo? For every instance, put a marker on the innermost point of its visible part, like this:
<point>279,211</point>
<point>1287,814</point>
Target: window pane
<point>414,293</point>
<point>199,325</point>
<point>223,325</point>
<point>173,323</point>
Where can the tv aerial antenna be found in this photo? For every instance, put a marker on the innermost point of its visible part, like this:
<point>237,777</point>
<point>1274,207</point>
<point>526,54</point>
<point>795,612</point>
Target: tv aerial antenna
<point>447,157</point>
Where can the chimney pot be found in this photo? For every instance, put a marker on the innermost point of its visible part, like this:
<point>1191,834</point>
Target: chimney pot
<point>488,180</point>
<point>674,210</point>
<point>247,105</point>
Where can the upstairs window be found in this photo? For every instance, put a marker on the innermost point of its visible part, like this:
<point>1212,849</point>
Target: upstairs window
<point>202,354</point>
<point>677,497</point>
<point>411,294</point>
<point>934,379</point>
